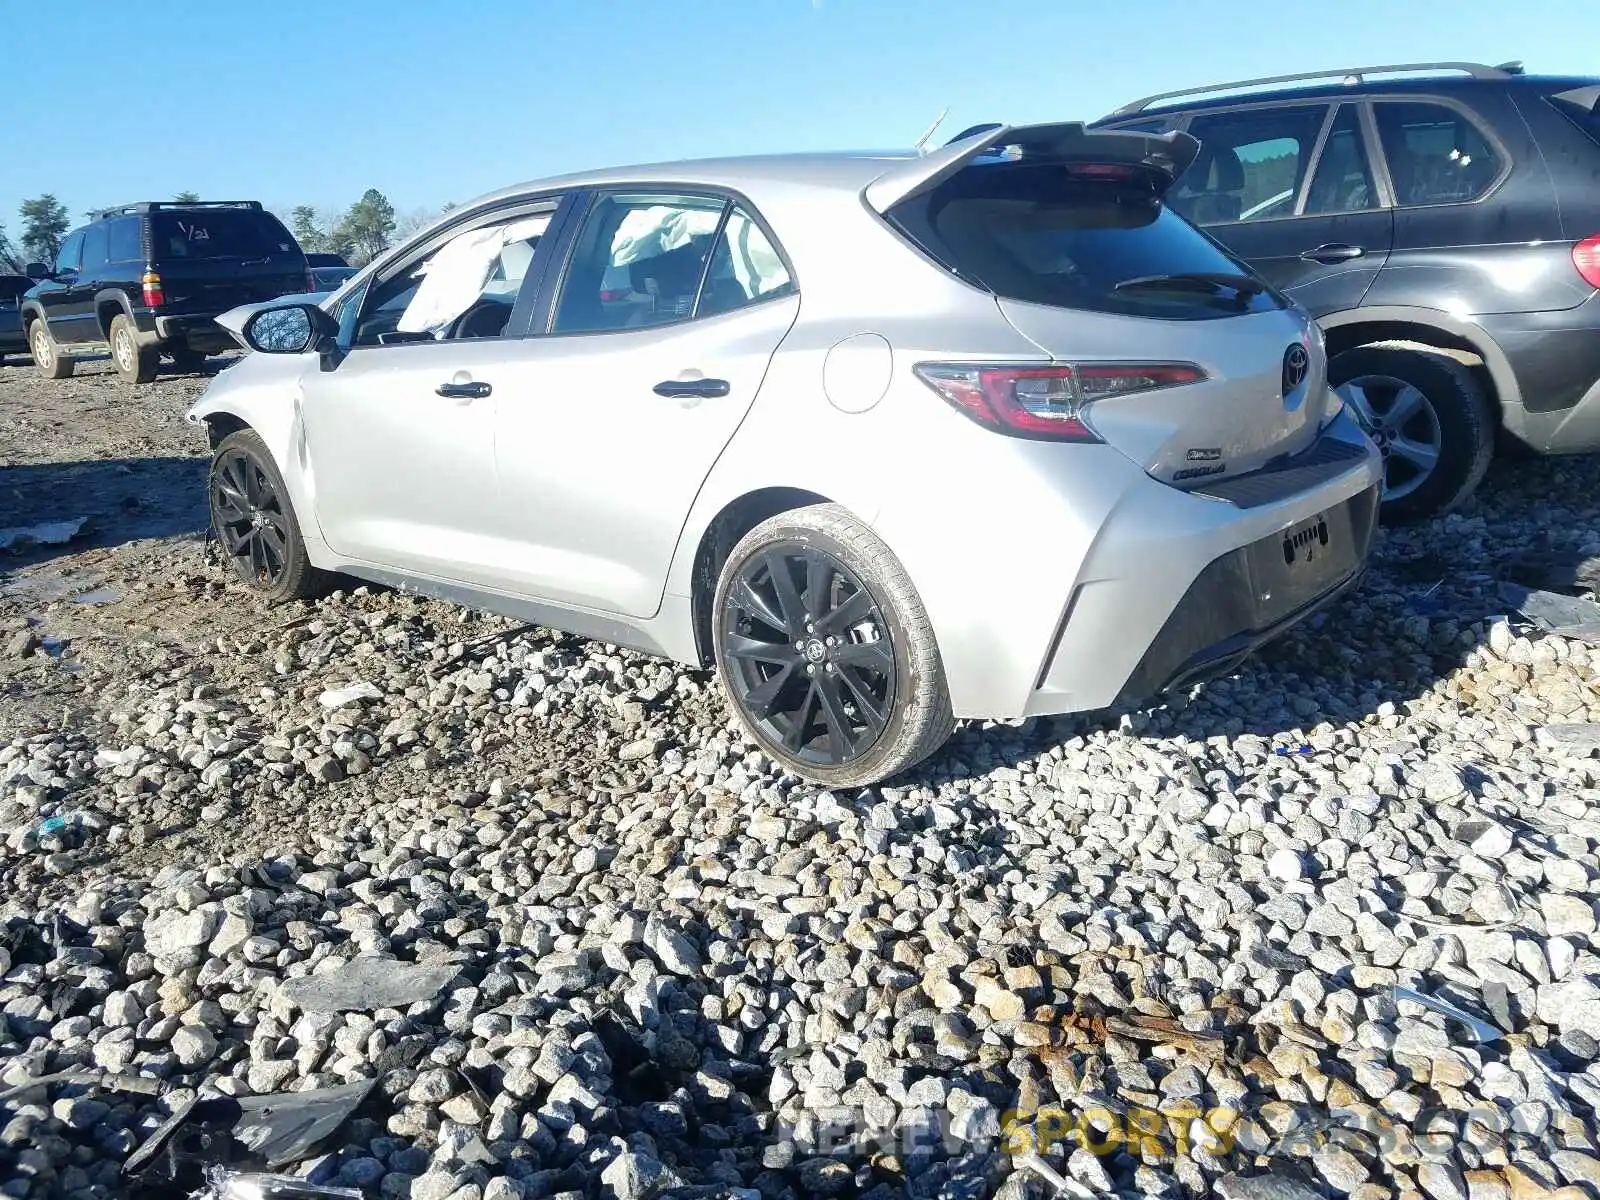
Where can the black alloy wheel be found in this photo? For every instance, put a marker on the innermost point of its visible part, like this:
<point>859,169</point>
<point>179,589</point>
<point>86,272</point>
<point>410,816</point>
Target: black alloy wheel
<point>250,520</point>
<point>809,654</point>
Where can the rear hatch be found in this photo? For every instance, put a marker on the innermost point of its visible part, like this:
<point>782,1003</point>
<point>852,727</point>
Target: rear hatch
<point>214,259</point>
<point>1066,228</point>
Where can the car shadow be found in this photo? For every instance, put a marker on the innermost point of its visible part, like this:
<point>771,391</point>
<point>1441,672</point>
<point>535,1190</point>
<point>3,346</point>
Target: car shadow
<point>119,500</point>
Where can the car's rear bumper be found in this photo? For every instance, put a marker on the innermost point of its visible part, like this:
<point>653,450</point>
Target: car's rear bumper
<point>1554,358</point>
<point>1060,583</point>
<point>198,333</point>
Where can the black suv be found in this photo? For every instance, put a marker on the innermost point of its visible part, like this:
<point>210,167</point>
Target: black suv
<point>1442,224</point>
<point>150,279</point>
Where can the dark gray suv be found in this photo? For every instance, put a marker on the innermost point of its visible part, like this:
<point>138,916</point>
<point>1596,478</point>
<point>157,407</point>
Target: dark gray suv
<point>1442,223</point>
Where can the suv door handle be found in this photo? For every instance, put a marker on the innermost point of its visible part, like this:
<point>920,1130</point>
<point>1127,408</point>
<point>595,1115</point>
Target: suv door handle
<point>1333,252</point>
<point>692,387</point>
<point>464,391</point>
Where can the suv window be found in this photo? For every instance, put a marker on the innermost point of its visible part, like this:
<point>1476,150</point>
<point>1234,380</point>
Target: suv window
<point>219,233</point>
<point>124,243</point>
<point>464,288</point>
<point>639,260</point>
<point>71,253</point>
<point>1586,116</point>
<point>1342,181</point>
<point>1251,163</point>
<point>1436,155</point>
<point>745,268</point>
<point>1037,232</point>
<point>94,247</point>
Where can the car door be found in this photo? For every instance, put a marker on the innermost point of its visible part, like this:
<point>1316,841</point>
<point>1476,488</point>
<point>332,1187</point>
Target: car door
<point>1290,189</point>
<point>399,435</point>
<point>80,319</point>
<point>669,312</point>
<point>56,295</point>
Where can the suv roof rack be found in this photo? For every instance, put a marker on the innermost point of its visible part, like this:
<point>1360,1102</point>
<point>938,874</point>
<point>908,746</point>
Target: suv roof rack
<point>1350,75</point>
<point>149,206</point>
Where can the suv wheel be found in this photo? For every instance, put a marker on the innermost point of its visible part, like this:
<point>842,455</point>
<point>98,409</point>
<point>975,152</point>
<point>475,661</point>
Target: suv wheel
<point>826,652</point>
<point>1430,419</point>
<point>47,357</point>
<point>135,363</point>
<point>255,523</point>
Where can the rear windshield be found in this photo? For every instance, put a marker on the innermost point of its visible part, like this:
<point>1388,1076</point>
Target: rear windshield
<point>1040,233</point>
<point>220,233</point>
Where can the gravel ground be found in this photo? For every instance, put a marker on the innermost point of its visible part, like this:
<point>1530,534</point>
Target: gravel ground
<point>650,965</point>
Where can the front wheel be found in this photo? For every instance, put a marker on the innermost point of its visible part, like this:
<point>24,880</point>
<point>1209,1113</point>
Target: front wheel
<point>826,651</point>
<point>47,359</point>
<point>1430,419</point>
<point>254,521</point>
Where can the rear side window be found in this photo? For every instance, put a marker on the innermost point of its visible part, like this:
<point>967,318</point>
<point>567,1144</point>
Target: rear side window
<point>1436,155</point>
<point>1251,164</point>
<point>124,236</point>
<point>1040,233</point>
<point>1586,116</point>
<point>94,248</point>
<point>220,233</point>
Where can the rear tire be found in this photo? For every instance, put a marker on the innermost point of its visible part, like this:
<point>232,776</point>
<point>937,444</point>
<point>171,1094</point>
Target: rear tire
<point>47,357</point>
<point>255,523</point>
<point>826,652</point>
<point>1417,402</point>
<point>135,363</point>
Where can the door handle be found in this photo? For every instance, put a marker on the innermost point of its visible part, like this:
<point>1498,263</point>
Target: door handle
<point>692,387</point>
<point>464,391</point>
<point>1333,252</point>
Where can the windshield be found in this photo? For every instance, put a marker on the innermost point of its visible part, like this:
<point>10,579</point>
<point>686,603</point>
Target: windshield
<point>221,233</point>
<point>1040,232</point>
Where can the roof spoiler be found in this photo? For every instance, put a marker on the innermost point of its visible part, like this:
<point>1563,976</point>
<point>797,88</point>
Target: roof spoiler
<point>1167,154</point>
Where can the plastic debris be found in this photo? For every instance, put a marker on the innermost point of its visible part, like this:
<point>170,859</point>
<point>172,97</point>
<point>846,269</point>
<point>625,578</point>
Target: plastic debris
<point>1482,1032</point>
<point>1569,616</point>
<point>60,824</point>
<point>364,984</point>
<point>223,1183</point>
<point>349,694</point>
<point>1302,749</point>
<point>89,1077</point>
<point>49,533</point>
<point>286,1127</point>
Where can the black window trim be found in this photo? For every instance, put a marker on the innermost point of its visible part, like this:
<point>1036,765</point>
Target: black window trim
<point>1467,114</point>
<point>1368,133</point>
<point>545,304</point>
<point>497,213</point>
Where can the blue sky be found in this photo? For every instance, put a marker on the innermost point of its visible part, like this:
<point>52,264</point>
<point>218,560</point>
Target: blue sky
<point>295,101</point>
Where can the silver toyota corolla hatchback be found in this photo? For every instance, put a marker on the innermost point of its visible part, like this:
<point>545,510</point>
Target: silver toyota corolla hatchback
<point>891,439</point>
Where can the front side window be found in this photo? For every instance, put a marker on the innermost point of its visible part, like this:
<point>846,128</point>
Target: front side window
<point>71,253</point>
<point>1250,164</point>
<point>639,260</point>
<point>1436,155</point>
<point>465,288</point>
<point>1343,179</point>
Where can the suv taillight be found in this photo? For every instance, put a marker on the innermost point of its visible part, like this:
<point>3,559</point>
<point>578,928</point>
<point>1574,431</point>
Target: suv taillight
<point>1586,257</point>
<point>154,297</point>
<point>1031,401</point>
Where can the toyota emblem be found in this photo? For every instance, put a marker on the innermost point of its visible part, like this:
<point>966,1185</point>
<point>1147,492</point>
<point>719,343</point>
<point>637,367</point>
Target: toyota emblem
<point>1296,364</point>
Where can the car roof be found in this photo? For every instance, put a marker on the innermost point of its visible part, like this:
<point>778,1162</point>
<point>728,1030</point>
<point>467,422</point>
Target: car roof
<point>850,170</point>
<point>1432,85</point>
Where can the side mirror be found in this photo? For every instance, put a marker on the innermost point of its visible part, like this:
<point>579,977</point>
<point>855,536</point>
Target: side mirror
<point>37,272</point>
<point>292,329</point>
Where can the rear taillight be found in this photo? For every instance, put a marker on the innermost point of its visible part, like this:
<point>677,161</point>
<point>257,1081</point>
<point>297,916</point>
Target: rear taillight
<point>1046,402</point>
<point>1586,257</point>
<point>154,297</point>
